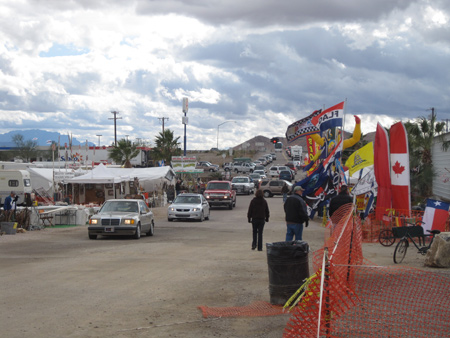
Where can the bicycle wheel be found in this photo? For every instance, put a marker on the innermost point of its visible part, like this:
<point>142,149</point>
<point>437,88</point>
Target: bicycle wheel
<point>400,250</point>
<point>386,237</point>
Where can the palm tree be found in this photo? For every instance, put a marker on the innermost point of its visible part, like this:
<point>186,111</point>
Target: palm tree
<point>124,152</point>
<point>166,146</point>
<point>421,135</point>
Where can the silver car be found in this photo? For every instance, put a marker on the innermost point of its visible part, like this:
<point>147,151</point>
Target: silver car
<point>189,206</point>
<point>122,217</point>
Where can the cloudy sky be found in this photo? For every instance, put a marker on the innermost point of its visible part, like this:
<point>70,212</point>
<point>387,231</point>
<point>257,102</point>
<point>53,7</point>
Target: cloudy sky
<point>66,65</point>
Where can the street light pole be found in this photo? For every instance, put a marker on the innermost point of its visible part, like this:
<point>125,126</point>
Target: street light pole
<point>218,131</point>
<point>93,160</point>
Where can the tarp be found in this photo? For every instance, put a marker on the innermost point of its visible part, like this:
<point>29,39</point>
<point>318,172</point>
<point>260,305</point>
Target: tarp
<point>43,177</point>
<point>102,174</point>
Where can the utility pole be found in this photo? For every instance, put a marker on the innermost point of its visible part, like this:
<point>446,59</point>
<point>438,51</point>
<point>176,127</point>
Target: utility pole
<point>115,125</point>
<point>162,119</point>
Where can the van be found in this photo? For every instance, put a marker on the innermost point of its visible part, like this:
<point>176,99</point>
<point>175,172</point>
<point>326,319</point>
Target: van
<point>18,181</point>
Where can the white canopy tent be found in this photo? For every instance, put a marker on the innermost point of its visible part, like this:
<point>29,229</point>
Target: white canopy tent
<point>150,179</point>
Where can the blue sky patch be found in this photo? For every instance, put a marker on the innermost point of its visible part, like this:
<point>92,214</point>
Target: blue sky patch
<point>63,50</point>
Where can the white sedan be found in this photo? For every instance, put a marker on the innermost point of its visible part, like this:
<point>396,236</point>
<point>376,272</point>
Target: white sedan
<point>189,206</point>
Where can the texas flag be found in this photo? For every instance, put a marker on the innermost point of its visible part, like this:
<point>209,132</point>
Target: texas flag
<point>436,215</point>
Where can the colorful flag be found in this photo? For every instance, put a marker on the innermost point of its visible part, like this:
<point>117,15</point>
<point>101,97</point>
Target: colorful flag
<point>302,128</point>
<point>365,184</point>
<point>335,154</point>
<point>400,182</point>
<point>436,215</point>
<point>329,118</point>
<point>382,172</point>
<point>361,158</point>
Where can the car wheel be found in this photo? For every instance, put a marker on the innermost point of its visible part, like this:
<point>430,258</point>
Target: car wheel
<point>230,206</point>
<point>151,231</point>
<point>92,236</point>
<point>170,219</point>
<point>202,217</point>
<point>267,193</point>
<point>207,217</point>
<point>211,170</point>
<point>137,234</point>
<point>237,171</point>
<point>227,169</point>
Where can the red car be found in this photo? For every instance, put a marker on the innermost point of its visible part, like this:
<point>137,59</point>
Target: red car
<point>220,193</point>
<point>291,166</point>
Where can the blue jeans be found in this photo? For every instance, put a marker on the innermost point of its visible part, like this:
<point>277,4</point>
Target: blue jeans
<point>294,229</point>
<point>284,197</point>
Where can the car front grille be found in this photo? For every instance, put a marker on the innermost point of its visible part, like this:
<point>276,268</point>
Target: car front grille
<point>110,221</point>
<point>182,210</point>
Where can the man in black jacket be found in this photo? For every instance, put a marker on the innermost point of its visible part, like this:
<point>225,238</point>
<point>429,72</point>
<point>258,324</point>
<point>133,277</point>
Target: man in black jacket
<point>337,201</point>
<point>296,215</point>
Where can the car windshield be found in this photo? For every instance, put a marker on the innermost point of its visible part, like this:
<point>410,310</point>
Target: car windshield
<point>257,176</point>
<point>260,172</point>
<point>187,199</point>
<point>218,186</point>
<point>120,206</point>
<point>240,180</point>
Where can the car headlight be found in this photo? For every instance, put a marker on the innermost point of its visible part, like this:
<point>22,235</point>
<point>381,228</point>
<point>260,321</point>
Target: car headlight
<point>128,221</point>
<point>93,221</point>
<point>195,209</point>
<point>171,209</point>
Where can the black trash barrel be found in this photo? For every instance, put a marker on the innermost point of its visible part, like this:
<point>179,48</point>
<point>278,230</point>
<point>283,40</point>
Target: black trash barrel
<point>288,267</point>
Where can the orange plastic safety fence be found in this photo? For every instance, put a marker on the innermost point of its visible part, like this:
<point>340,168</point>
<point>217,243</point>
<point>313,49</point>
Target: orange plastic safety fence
<point>352,297</point>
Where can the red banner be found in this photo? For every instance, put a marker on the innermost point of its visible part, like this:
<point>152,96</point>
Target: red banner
<point>382,172</point>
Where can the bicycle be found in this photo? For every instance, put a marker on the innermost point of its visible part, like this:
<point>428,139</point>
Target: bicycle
<point>387,236</point>
<point>402,246</point>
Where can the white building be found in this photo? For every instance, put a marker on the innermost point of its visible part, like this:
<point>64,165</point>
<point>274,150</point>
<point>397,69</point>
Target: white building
<point>441,163</point>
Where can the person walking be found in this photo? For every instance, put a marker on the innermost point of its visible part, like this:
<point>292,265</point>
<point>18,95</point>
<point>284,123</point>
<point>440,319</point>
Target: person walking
<point>258,213</point>
<point>9,205</point>
<point>337,201</point>
<point>296,215</point>
<point>285,191</point>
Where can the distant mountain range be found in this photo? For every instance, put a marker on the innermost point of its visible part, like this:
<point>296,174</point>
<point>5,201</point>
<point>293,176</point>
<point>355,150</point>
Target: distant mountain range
<point>42,137</point>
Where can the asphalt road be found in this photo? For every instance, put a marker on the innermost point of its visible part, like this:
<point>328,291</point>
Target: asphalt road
<point>58,283</point>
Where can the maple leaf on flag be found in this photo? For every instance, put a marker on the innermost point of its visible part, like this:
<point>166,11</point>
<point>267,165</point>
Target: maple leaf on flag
<point>398,169</point>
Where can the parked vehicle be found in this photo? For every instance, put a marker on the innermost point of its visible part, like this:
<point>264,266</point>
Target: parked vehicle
<point>275,170</point>
<point>243,185</point>
<point>122,217</point>
<point>256,179</point>
<point>244,167</point>
<point>291,166</point>
<point>189,206</point>
<point>18,181</point>
<point>207,166</point>
<point>273,187</point>
<point>262,173</point>
<point>220,193</point>
<point>286,175</point>
<point>259,167</point>
<point>263,160</point>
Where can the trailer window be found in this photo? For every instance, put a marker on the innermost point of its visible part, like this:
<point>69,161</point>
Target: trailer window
<point>27,182</point>
<point>13,183</point>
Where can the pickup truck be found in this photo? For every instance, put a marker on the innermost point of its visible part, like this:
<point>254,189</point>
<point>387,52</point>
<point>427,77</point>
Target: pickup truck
<point>220,193</point>
<point>244,167</point>
<point>243,185</point>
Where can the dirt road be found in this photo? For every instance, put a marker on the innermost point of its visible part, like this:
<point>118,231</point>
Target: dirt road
<point>58,283</point>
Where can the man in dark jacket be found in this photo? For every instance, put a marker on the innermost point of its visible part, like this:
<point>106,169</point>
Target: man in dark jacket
<point>296,214</point>
<point>337,201</point>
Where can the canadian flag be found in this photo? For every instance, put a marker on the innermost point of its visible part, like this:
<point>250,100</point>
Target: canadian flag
<point>400,182</point>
